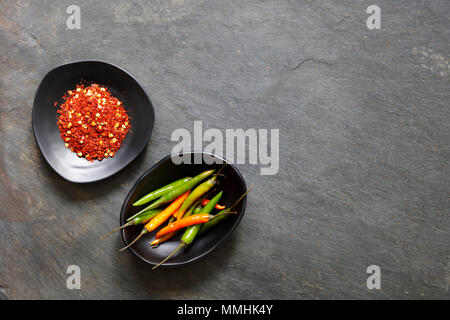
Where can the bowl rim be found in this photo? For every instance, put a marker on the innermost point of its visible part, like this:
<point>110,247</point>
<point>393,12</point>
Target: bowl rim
<point>213,247</point>
<point>33,118</point>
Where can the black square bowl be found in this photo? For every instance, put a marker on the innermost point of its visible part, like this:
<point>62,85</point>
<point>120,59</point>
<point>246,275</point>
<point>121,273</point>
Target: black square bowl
<point>121,85</point>
<point>164,172</point>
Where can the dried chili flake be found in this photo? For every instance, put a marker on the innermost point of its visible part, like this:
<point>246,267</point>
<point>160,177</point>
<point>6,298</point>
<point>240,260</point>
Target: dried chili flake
<point>87,116</point>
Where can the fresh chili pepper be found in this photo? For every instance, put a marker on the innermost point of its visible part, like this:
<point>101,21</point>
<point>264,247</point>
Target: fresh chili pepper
<point>189,221</point>
<point>92,122</point>
<point>194,209</point>
<point>222,214</point>
<point>196,195</point>
<point>192,231</point>
<point>155,243</point>
<point>176,192</point>
<point>199,218</point>
<point>160,218</point>
<point>218,206</point>
<point>185,222</point>
<point>159,192</point>
<point>210,224</point>
<point>144,218</point>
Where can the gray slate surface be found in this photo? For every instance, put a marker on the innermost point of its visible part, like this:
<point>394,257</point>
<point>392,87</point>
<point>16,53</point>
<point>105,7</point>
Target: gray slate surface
<point>364,145</point>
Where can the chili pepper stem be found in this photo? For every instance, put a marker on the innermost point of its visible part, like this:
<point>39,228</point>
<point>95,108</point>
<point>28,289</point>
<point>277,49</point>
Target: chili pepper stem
<point>182,245</point>
<point>117,229</point>
<point>222,214</point>
<point>241,197</point>
<point>136,239</point>
<point>220,170</point>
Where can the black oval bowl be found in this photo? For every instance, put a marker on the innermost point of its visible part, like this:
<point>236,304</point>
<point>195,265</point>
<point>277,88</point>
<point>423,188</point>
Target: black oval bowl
<point>165,172</point>
<point>123,86</point>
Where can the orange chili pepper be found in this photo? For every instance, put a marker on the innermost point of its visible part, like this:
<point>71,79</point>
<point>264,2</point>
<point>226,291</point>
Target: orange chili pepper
<point>195,208</point>
<point>166,213</point>
<point>164,238</point>
<point>185,222</point>
<point>161,217</point>
<point>157,242</point>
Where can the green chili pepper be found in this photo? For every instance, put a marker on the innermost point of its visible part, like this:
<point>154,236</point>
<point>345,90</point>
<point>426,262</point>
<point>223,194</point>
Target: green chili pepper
<point>208,225</point>
<point>141,219</point>
<point>195,195</point>
<point>222,215</point>
<point>178,191</point>
<point>192,231</point>
<point>197,204</point>
<point>159,192</point>
<point>198,209</point>
<point>194,208</point>
<point>146,217</point>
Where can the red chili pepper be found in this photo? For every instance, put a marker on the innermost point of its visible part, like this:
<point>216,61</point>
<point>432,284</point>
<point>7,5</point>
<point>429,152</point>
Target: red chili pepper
<point>92,122</point>
<point>218,206</point>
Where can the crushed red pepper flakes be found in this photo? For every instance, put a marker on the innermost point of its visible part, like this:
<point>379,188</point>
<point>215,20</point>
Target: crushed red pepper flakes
<point>92,122</point>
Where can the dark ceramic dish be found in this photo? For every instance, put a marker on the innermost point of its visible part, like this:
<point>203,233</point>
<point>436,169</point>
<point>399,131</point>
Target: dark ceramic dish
<point>123,86</point>
<point>162,173</point>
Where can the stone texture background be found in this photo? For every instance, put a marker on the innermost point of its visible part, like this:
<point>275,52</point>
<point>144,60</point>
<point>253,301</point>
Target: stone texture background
<point>364,146</point>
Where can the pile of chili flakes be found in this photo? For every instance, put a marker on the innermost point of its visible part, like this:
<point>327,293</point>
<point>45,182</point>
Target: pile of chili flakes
<point>92,122</point>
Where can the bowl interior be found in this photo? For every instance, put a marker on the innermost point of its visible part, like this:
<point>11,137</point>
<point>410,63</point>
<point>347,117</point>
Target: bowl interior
<point>164,172</point>
<point>122,85</point>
